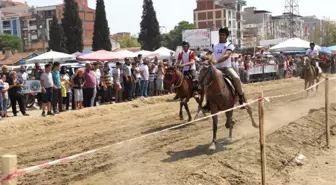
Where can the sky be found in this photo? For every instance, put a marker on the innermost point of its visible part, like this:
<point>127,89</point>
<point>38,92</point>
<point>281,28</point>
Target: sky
<point>125,15</point>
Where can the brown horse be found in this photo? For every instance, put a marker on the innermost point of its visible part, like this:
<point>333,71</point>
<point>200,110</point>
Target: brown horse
<point>310,74</point>
<point>184,90</point>
<point>221,96</point>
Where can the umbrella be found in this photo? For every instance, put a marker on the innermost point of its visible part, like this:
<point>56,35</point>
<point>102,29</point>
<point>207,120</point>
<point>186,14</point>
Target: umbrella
<point>326,50</point>
<point>145,53</point>
<point>164,52</point>
<point>333,49</point>
<point>126,53</point>
<point>101,55</point>
<point>52,55</point>
<point>294,44</point>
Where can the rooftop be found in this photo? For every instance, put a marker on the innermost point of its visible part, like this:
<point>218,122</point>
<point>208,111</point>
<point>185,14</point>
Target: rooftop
<point>15,58</point>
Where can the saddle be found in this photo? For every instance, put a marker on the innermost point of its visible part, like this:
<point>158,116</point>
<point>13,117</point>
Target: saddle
<point>229,83</point>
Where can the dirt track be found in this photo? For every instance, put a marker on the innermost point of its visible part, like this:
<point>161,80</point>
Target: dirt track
<point>179,156</point>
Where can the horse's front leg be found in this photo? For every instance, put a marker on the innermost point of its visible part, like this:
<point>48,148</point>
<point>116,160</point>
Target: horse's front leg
<point>185,103</point>
<point>181,114</point>
<point>214,110</point>
<point>214,132</point>
<point>250,113</point>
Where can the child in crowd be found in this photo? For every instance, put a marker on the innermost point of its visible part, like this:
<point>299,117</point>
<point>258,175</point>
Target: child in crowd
<point>4,96</point>
<point>64,91</point>
<point>77,84</point>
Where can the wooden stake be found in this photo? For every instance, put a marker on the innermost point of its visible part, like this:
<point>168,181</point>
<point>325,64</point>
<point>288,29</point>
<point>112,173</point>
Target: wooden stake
<point>327,111</point>
<point>9,165</point>
<point>262,139</point>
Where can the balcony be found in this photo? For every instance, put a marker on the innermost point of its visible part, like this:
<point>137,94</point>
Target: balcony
<point>30,27</point>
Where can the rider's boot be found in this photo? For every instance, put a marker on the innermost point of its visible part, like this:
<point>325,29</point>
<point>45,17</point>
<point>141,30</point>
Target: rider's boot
<point>195,87</point>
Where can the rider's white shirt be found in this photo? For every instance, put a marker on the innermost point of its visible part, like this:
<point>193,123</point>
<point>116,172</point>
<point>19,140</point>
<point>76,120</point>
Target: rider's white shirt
<point>219,51</point>
<point>313,52</point>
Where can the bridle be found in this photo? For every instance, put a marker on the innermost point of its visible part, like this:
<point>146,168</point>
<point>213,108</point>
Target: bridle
<point>212,79</point>
<point>179,81</point>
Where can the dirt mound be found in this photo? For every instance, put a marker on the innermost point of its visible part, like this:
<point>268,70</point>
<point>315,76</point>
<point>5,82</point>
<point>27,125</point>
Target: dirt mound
<point>242,166</point>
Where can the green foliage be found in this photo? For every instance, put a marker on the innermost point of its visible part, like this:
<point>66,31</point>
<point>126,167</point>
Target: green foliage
<point>101,34</point>
<point>12,42</point>
<point>325,33</point>
<point>149,37</point>
<point>128,42</point>
<point>72,27</point>
<point>57,39</point>
<point>174,38</point>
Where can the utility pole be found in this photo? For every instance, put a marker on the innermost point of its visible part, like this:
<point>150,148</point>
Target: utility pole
<point>292,14</point>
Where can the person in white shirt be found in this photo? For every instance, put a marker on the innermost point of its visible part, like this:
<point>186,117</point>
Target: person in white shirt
<point>313,53</point>
<point>144,71</point>
<point>223,54</point>
<point>23,75</point>
<point>186,59</point>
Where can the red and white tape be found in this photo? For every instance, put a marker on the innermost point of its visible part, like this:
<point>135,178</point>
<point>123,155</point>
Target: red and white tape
<point>24,171</point>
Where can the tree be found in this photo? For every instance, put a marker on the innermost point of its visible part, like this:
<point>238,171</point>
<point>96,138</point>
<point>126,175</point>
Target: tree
<point>101,33</point>
<point>72,27</point>
<point>56,34</point>
<point>12,42</point>
<point>174,37</point>
<point>328,33</point>
<point>128,42</point>
<point>149,37</point>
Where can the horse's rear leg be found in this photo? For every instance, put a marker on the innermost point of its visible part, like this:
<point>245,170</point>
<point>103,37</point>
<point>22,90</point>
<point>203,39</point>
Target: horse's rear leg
<point>181,114</point>
<point>249,111</point>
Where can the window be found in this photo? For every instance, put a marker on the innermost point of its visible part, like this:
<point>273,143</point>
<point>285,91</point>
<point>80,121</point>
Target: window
<point>7,32</point>
<point>15,27</point>
<point>32,23</point>
<point>6,24</point>
<point>229,14</point>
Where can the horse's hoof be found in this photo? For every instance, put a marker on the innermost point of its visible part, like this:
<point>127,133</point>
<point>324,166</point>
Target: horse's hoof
<point>189,119</point>
<point>255,125</point>
<point>212,146</point>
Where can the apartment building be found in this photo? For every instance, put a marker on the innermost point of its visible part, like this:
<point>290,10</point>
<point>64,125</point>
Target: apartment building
<point>214,14</point>
<point>257,26</point>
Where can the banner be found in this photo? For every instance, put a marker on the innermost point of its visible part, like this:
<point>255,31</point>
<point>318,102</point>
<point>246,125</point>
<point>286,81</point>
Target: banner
<point>198,38</point>
<point>32,86</point>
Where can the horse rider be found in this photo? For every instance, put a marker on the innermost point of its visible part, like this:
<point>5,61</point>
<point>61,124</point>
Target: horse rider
<point>313,53</point>
<point>186,59</point>
<point>223,51</point>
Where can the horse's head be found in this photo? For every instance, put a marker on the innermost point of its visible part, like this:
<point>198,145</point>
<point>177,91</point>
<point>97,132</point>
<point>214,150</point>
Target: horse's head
<point>205,73</point>
<point>172,74</point>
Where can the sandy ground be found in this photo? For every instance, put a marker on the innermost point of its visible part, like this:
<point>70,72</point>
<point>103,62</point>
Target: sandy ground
<point>179,156</point>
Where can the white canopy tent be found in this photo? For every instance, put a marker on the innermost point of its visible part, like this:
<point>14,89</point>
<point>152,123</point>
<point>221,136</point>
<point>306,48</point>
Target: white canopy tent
<point>52,56</point>
<point>126,53</point>
<point>294,44</point>
<point>164,52</point>
<point>148,54</point>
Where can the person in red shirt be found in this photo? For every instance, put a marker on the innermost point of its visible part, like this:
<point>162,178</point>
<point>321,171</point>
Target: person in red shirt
<point>186,59</point>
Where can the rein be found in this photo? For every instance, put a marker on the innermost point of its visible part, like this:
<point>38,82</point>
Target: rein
<point>211,80</point>
<point>181,79</point>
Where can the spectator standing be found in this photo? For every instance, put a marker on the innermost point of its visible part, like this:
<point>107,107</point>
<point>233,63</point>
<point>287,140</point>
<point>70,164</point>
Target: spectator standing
<point>159,79</point>
<point>89,86</point>
<point>47,86</point>
<point>107,84</point>
<point>4,95</point>
<point>97,93</point>
<point>138,80</point>
<point>78,82</point>
<point>36,74</point>
<point>15,94</point>
<point>23,75</point>
<point>66,87</point>
<point>117,85</point>
<point>57,98</point>
<point>127,71</point>
<point>134,80</point>
<point>145,78</point>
